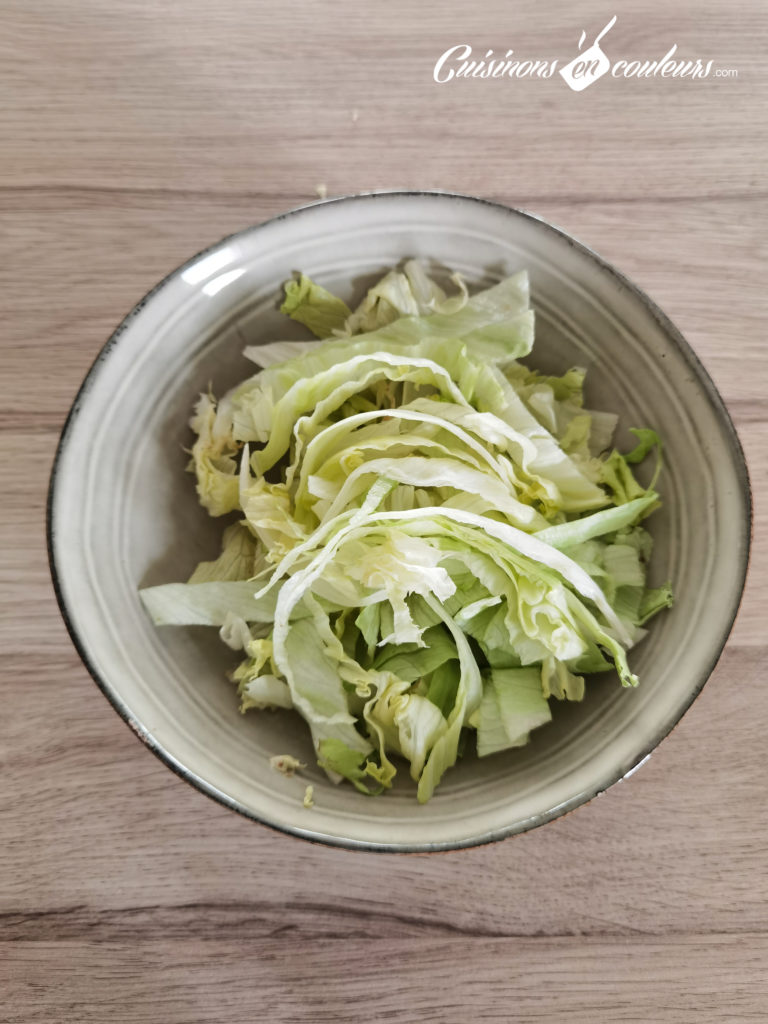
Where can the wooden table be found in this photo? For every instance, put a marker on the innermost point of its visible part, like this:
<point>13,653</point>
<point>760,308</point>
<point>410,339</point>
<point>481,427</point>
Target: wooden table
<point>133,134</point>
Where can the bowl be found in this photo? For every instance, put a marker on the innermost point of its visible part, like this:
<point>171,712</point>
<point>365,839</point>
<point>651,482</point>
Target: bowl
<point>123,514</point>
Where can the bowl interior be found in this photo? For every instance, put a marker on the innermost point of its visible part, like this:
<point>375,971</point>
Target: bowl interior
<point>124,514</point>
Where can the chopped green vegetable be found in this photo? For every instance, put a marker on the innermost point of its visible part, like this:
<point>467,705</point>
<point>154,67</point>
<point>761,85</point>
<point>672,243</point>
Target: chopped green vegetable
<point>433,539</point>
<point>336,756</point>
<point>314,307</point>
<point>647,441</point>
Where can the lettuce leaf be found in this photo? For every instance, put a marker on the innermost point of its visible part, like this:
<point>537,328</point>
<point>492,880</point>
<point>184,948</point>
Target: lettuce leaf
<point>513,705</point>
<point>311,305</point>
<point>241,558</point>
<point>352,764</point>
<point>206,604</point>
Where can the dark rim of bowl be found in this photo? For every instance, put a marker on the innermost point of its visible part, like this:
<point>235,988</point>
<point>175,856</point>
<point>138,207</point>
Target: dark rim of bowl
<point>625,770</point>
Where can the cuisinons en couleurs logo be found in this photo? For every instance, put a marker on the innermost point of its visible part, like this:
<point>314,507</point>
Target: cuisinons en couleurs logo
<point>589,64</point>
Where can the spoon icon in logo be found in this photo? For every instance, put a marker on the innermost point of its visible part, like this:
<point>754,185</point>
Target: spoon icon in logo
<point>587,67</point>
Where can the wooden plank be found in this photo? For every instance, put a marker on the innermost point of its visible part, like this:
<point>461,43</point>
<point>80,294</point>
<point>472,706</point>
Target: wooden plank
<point>270,96</point>
<point>288,980</point>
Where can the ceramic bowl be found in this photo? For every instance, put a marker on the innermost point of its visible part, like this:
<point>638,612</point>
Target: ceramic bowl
<point>123,514</point>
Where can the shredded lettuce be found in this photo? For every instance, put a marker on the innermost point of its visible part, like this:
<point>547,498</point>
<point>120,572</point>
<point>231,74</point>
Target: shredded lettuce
<point>431,539</point>
<point>313,306</point>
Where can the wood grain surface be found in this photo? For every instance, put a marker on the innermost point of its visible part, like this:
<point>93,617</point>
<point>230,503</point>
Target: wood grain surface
<point>132,134</point>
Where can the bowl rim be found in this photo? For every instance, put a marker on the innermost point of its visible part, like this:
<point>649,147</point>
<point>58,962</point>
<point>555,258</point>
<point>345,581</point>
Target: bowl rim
<point>202,785</point>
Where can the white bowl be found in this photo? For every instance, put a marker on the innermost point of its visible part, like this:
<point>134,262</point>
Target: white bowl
<point>123,513</point>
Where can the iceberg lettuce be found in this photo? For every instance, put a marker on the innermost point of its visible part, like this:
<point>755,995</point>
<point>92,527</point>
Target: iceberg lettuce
<point>431,539</point>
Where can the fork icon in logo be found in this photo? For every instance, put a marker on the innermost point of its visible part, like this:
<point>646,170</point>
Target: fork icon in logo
<point>587,67</point>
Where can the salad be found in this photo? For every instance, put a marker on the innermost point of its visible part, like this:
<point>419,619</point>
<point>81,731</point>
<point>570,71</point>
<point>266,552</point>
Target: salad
<point>427,541</point>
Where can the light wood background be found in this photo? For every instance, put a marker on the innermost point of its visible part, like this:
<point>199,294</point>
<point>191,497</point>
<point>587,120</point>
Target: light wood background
<point>133,133</point>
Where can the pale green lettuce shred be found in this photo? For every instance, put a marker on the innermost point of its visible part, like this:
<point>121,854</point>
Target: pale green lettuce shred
<point>430,540</point>
<point>214,456</point>
<point>313,306</point>
<point>513,704</point>
<point>207,604</point>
